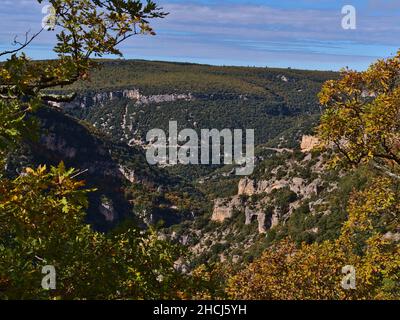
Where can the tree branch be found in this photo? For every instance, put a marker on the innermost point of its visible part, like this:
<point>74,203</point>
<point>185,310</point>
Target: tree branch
<point>21,45</point>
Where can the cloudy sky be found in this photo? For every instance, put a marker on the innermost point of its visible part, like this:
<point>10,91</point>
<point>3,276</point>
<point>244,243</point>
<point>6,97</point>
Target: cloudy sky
<point>304,34</point>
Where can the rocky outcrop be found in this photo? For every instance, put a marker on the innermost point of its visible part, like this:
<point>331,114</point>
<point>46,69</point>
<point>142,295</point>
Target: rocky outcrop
<point>223,209</point>
<point>128,174</point>
<point>313,188</point>
<point>283,78</point>
<point>221,212</point>
<point>90,99</point>
<point>246,187</point>
<point>163,98</point>
<point>297,185</point>
<point>300,186</point>
<point>250,187</point>
<point>304,189</point>
<point>308,143</point>
<point>260,215</point>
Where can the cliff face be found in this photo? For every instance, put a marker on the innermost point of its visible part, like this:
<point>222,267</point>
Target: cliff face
<point>223,209</point>
<point>301,187</point>
<point>266,191</point>
<point>90,99</point>
<point>247,187</point>
<point>290,194</point>
<point>260,215</point>
<point>308,143</point>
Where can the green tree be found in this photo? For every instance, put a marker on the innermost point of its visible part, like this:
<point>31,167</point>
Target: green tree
<point>42,210</point>
<point>362,116</point>
<point>42,223</point>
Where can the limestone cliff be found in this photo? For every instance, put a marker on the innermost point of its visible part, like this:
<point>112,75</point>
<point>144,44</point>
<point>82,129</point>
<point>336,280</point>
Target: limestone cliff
<point>90,99</point>
<point>308,143</point>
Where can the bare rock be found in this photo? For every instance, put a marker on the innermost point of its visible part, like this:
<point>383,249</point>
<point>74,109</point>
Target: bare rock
<point>297,185</point>
<point>246,187</point>
<point>128,174</point>
<point>308,143</point>
<point>223,209</point>
<point>260,215</point>
<point>274,220</point>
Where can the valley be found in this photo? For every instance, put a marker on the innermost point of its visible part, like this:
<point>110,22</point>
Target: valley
<point>217,215</point>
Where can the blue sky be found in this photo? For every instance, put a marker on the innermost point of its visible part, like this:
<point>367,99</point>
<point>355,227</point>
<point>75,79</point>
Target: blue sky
<point>304,34</point>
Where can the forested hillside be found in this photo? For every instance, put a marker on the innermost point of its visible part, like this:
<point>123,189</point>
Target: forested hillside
<point>120,101</point>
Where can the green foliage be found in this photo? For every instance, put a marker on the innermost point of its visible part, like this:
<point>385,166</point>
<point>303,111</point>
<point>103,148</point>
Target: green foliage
<point>13,125</point>
<point>362,117</point>
<point>283,197</point>
<point>154,77</point>
<point>41,215</point>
